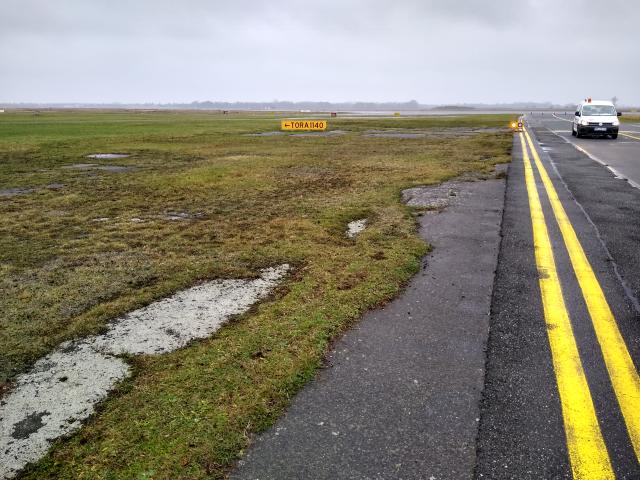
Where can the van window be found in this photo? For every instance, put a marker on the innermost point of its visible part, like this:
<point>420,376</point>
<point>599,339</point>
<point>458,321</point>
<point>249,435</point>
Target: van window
<point>595,110</point>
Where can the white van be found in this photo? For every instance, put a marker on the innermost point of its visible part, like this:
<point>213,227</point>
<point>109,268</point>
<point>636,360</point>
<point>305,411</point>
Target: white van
<point>596,117</point>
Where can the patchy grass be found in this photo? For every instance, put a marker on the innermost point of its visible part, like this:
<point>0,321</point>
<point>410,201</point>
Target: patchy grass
<point>633,118</point>
<point>74,257</point>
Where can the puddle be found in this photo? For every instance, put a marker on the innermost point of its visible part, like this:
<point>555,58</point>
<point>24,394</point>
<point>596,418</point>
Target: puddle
<point>181,216</point>
<point>62,389</point>
<point>14,192</point>
<point>395,135</point>
<point>428,133</point>
<point>95,166</point>
<point>332,133</point>
<point>356,227</point>
<point>264,134</point>
<point>115,168</point>
<point>106,156</point>
<point>80,166</point>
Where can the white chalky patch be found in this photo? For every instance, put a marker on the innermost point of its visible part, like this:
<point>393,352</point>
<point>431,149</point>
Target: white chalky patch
<point>194,313</point>
<point>355,227</point>
<point>61,389</point>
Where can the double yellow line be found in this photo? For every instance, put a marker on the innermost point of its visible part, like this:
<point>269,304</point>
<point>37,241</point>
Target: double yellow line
<point>630,136</point>
<point>587,450</point>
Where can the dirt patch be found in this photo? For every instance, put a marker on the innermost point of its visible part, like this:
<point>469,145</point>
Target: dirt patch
<point>61,389</point>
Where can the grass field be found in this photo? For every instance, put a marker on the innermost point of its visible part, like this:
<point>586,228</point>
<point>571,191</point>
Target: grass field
<point>631,118</point>
<point>202,200</point>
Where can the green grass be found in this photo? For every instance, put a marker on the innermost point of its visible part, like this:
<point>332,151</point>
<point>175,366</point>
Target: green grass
<point>256,202</point>
<point>630,118</point>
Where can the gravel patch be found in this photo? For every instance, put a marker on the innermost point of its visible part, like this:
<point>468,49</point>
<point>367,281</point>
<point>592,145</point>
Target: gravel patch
<point>437,197</point>
<point>356,227</point>
<point>106,156</point>
<point>62,389</point>
<point>434,197</point>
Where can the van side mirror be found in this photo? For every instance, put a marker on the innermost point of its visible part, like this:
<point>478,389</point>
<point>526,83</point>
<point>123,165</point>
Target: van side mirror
<point>619,114</point>
<point>577,113</point>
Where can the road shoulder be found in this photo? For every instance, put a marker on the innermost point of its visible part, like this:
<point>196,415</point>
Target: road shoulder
<point>400,395</point>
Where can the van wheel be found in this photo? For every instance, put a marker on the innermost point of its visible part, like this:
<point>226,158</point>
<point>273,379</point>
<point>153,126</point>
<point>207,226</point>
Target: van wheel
<point>573,131</point>
<point>578,134</point>
<point>614,136</point>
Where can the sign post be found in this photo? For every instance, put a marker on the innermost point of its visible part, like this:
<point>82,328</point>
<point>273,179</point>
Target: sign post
<point>303,124</point>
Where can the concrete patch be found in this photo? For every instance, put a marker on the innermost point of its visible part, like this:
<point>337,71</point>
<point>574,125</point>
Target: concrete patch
<point>61,389</point>
<point>356,227</point>
<point>105,156</point>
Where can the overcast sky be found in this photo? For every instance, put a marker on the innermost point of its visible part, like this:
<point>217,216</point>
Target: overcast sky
<point>331,50</point>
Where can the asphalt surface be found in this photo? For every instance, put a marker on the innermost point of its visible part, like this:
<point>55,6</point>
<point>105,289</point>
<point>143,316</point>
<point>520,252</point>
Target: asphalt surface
<point>522,435</point>
<point>621,155</point>
<point>400,396</point>
<point>613,206</point>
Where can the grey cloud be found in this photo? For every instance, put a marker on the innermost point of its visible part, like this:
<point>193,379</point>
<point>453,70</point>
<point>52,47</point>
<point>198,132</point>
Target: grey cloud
<point>431,50</point>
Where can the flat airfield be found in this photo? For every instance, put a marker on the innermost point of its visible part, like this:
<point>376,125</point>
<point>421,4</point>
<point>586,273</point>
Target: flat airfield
<point>173,199</point>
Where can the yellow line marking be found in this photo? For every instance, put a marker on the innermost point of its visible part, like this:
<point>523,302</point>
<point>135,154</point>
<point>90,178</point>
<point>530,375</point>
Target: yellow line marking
<point>622,371</point>
<point>627,135</point>
<point>587,451</point>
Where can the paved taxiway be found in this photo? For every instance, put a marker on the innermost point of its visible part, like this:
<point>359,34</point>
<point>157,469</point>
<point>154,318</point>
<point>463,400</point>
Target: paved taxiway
<point>562,392</point>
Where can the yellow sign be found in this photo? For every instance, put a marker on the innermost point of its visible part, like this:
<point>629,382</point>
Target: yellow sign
<point>304,125</point>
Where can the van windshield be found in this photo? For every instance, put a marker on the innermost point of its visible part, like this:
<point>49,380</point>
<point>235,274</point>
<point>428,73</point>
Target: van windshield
<point>595,110</point>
